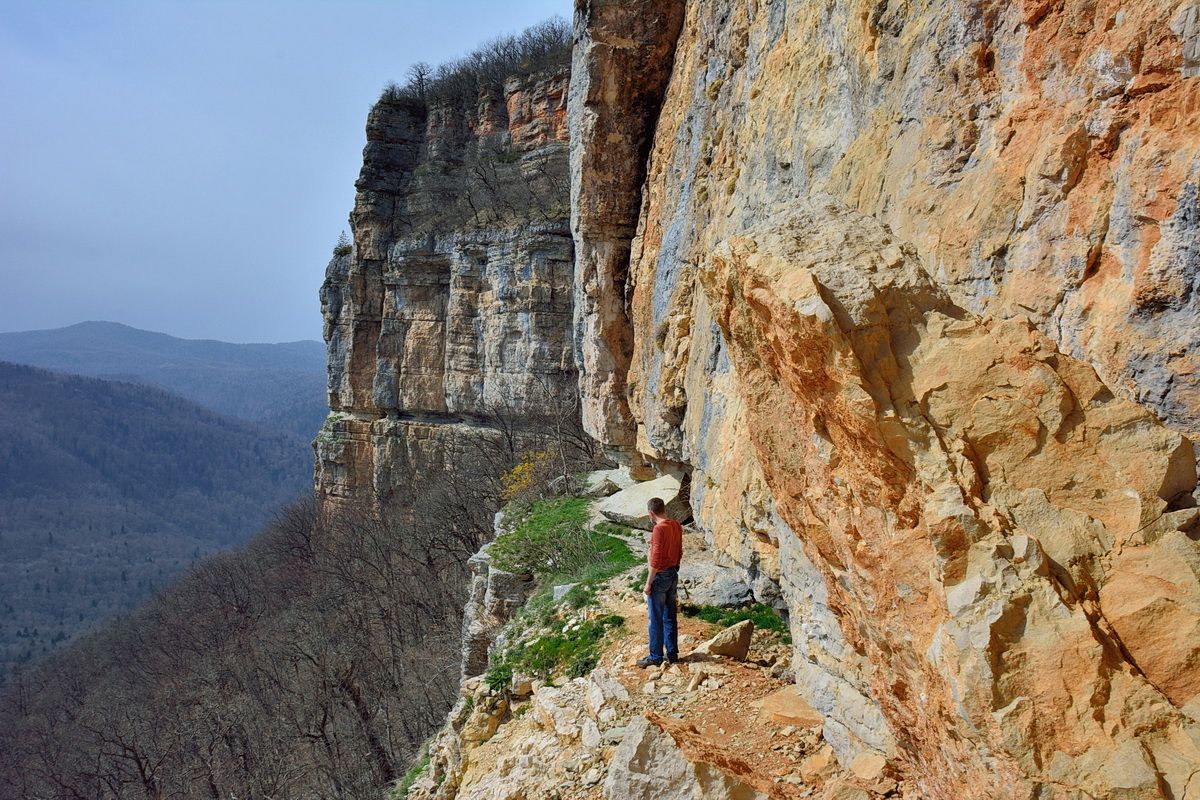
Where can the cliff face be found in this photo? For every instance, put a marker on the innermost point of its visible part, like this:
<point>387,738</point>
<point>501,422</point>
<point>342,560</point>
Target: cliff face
<point>454,306</point>
<point>913,295</point>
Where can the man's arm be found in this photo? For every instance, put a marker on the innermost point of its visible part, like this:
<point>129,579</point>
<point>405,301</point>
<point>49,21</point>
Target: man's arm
<point>649,580</point>
<point>650,558</point>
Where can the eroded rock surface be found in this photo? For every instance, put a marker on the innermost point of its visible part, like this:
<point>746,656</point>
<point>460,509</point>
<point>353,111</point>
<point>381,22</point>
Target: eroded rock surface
<point>454,307</point>
<point>969,493</point>
<point>913,297</point>
<point>620,67</point>
<point>492,597</point>
<point>649,765</point>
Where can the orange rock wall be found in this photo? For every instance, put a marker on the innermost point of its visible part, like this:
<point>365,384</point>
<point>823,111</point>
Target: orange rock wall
<point>913,294</point>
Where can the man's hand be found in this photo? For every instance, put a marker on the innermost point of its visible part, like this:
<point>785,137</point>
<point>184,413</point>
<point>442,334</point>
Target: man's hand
<point>646,591</point>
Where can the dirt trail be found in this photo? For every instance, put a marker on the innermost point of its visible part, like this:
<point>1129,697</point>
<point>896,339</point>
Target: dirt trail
<point>737,718</point>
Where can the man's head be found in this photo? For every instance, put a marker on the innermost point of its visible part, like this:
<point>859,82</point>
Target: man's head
<point>656,506</point>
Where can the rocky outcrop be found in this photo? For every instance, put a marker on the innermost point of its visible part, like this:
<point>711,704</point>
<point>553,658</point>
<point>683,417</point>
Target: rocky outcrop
<point>492,597</point>
<point>974,499</point>
<point>619,72</point>
<point>628,506</point>
<point>650,765</point>
<point>454,307</point>
<point>913,298</point>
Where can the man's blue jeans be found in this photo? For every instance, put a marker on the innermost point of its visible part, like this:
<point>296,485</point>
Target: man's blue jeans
<point>661,605</point>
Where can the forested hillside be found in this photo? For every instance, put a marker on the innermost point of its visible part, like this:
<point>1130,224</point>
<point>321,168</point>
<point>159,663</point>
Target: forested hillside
<point>311,662</point>
<point>281,386</point>
<point>271,669</point>
<point>108,490</point>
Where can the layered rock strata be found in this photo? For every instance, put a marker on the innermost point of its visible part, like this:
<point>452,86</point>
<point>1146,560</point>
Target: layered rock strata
<point>913,297</point>
<point>620,66</point>
<point>454,307</point>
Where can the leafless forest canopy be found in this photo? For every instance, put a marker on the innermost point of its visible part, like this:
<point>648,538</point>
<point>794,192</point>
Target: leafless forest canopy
<point>313,662</point>
<point>458,83</point>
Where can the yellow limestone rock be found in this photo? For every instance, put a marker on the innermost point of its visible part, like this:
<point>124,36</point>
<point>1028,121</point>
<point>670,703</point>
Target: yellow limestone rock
<point>787,707</point>
<point>868,766</point>
<point>912,293</point>
<point>819,765</point>
<point>733,642</point>
<point>906,442</point>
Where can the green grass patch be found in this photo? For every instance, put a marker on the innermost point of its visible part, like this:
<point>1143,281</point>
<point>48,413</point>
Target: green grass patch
<point>400,790</point>
<point>546,537</point>
<point>550,540</point>
<point>567,645</point>
<point>763,617</point>
<point>620,531</point>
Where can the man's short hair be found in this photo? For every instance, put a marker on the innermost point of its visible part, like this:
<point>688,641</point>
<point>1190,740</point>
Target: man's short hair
<point>656,505</point>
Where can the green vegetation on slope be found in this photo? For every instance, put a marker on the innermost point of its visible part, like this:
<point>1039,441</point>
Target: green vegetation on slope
<point>547,637</point>
<point>764,617</point>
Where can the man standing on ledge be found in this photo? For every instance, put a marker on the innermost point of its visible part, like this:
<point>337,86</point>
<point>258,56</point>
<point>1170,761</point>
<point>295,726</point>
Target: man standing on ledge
<point>666,551</point>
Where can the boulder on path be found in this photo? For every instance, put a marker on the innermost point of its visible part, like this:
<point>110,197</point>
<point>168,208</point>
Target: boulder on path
<point>628,506</point>
<point>733,642</point>
<point>604,482</point>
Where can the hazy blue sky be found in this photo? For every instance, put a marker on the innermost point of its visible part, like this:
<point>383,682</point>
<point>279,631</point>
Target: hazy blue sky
<point>187,166</point>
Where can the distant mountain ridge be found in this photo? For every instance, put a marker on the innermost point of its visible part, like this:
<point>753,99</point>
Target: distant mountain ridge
<point>109,489</point>
<point>281,386</point>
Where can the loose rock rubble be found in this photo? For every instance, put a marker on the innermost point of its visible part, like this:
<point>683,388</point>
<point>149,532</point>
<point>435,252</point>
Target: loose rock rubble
<point>720,724</point>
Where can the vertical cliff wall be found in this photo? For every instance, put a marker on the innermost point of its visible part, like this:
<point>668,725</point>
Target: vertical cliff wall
<point>455,304</point>
<point>913,294</point>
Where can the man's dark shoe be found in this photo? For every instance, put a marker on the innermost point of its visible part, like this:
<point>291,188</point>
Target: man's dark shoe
<point>648,662</point>
<point>673,659</point>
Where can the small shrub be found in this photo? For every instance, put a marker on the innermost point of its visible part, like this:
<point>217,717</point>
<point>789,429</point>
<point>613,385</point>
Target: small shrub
<point>400,790</point>
<point>524,482</point>
<point>344,246</point>
<point>764,617</point>
<point>583,664</point>
<point>499,677</point>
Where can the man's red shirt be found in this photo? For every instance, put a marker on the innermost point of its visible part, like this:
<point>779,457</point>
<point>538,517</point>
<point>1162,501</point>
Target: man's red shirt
<point>666,544</point>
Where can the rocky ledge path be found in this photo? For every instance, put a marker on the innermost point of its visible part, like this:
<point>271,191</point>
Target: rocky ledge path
<point>726,723</point>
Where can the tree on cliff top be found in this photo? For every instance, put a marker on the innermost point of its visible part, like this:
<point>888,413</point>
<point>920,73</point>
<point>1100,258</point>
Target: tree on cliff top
<point>458,83</point>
